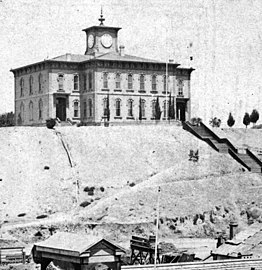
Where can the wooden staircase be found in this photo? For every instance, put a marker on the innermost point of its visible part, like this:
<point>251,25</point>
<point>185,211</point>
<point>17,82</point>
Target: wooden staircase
<point>223,145</point>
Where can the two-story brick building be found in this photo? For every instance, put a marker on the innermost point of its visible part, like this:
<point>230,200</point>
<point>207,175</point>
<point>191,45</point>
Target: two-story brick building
<point>83,87</point>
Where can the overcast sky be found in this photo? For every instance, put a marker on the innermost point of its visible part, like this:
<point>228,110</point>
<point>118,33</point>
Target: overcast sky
<point>226,38</point>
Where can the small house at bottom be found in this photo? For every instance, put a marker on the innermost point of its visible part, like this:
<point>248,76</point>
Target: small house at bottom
<point>78,252</point>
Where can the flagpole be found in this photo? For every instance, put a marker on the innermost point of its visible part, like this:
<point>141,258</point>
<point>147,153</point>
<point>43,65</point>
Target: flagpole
<point>157,224</point>
<point>166,76</point>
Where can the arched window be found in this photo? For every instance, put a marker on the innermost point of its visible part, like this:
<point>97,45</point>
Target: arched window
<point>154,83</point>
<point>143,108</point>
<point>180,87</point>
<point>22,84</point>
<point>130,105</point>
<point>76,83</point>
<point>22,112</point>
<point>90,80</point>
<point>105,80</point>
<point>60,82</point>
<point>40,82</point>
<point>85,105</point>
<point>90,108</point>
<point>142,82</point>
<point>118,81</point>
<point>40,109</point>
<point>31,80</point>
<point>76,108</point>
<point>130,81</point>
<point>154,108</point>
<point>31,111</point>
<point>118,107</point>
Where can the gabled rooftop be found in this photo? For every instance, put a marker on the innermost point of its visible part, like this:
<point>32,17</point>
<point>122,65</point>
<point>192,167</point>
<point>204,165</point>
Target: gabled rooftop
<point>73,242</point>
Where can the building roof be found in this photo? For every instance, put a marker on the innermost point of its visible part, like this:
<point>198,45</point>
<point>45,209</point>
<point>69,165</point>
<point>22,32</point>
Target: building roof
<point>107,56</point>
<point>247,242</point>
<point>73,242</point>
<point>126,57</point>
<point>72,57</point>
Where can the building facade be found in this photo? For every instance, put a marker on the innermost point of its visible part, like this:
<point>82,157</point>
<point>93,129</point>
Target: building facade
<point>81,88</point>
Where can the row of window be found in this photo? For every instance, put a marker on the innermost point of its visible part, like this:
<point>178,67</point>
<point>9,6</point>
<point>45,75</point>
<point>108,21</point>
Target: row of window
<point>88,108</point>
<point>31,84</point>
<point>130,82</point>
<point>60,80</point>
<point>21,115</point>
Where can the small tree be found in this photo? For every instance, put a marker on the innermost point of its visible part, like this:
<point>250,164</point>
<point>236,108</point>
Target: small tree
<point>230,120</point>
<point>107,109</point>
<point>254,116</point>
<point>157,110</point>
<point>140,109</point>
<point>171,108</point>
<point>246,119</point>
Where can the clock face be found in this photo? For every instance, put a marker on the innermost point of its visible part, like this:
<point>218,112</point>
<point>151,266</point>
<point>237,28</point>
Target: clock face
<point>91,41</point>
<point>106,40</point>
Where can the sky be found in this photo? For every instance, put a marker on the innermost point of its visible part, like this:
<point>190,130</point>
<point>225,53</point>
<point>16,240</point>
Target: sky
<point>224,37</point>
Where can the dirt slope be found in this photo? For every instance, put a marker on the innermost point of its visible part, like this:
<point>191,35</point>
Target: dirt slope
<point>121,168</point>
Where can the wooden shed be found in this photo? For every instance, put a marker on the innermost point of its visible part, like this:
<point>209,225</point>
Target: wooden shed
<point>78,252</point>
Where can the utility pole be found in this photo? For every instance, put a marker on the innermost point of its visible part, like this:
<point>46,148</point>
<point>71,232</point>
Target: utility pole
<point>157,224</point>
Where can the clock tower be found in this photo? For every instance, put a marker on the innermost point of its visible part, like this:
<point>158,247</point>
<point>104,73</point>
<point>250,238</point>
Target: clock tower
<point>101,39</point>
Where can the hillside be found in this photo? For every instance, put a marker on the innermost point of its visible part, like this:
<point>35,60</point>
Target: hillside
<point>120,169</point>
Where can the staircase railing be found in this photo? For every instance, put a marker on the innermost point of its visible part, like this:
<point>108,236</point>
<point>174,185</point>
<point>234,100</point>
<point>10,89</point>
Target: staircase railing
<point>188,126</point>
<point>253,156</point>
<point>237,158</point>
<point>221,140</point>
<point>232,150</point>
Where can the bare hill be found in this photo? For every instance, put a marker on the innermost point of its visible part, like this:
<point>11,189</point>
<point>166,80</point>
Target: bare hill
<point>115,175</point>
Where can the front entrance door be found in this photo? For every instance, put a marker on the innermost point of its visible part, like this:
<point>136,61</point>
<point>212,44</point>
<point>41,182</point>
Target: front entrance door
<point>181,111</point>
<point>61,108</point>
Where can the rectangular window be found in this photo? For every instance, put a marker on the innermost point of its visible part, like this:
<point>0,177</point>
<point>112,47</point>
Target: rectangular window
<point>130,82</point>
<point>75,109</point>
<point>118,107</point>
<point>105,80</point>
<point>60,82</point>
<point>76,83</point>
<point>118,81</point>
<point>180,87</point>
<point>154,82</point>
<point>142,82</point>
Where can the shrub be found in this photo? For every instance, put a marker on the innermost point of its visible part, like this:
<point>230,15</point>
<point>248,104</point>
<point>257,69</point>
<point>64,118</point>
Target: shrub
<point>41,216</point>
<point>132,184</point>
<point>102,189</point>
<point>215,122</point>
<point>84,204</point>
<point>87,189</point>
<point>196,121</point>
<point>50,123</point>
<point>230,120</point>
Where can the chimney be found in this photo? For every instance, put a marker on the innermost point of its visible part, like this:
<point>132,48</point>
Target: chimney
<point>232,230</point>
<point>68,57</point>
<point>122,50</point>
